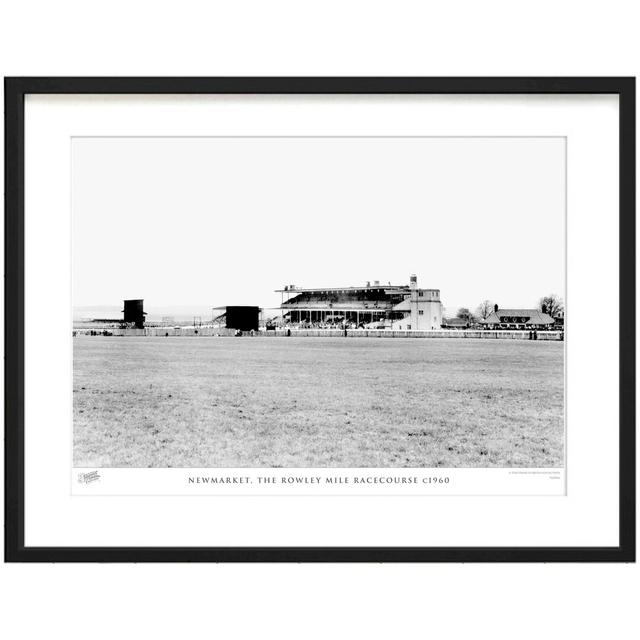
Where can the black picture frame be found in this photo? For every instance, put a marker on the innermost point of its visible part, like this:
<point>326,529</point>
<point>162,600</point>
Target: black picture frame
<point>15,91</point>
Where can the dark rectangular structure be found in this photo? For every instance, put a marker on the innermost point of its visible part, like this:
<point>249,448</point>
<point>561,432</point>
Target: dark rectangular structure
<point>243,318</point>
<point>134,312</point>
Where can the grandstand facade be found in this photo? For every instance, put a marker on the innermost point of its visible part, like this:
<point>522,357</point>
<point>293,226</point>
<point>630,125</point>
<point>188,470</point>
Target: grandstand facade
<point>374,305</point>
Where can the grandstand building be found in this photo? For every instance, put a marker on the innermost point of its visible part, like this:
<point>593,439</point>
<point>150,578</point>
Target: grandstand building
<point>404,307</point>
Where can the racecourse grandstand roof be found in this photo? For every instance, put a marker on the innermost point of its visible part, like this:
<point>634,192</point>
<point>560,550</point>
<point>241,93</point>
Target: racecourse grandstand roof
<point>342,301</point>
<point>370,298</point>
<point>518,316</point>
<point>390,287</point>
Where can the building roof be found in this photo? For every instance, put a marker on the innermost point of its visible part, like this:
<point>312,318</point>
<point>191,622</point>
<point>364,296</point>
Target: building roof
<point>534,316</point>
<point>294,289</point>
<point>337,306</point>
<point>391,288</point>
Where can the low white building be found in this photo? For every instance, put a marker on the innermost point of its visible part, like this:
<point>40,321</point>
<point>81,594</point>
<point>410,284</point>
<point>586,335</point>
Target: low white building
<point>518,319</point>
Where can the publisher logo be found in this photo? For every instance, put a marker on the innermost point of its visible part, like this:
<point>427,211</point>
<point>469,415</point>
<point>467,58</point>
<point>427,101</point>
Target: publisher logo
<point>87,478</point>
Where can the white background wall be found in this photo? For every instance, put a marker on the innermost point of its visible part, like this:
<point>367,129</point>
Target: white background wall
<point>329,38</point>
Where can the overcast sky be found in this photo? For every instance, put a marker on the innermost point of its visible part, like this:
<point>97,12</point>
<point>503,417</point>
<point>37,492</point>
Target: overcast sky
<point>203,222</point>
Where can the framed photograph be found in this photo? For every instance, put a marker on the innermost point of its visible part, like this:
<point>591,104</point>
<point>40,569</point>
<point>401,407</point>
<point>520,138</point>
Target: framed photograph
<point>320,319</point>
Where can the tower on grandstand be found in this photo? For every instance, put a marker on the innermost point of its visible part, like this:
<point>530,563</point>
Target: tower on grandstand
<point>374,305</point>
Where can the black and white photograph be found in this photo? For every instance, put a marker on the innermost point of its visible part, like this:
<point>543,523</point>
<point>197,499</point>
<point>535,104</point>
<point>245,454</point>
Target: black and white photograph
<point>319,302</point>
<point>320,319</point>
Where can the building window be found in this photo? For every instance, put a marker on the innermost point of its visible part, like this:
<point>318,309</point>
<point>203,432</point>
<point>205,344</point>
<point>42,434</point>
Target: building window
<point>408,327</point>
<point>421,293</point>
<point>421,312</point>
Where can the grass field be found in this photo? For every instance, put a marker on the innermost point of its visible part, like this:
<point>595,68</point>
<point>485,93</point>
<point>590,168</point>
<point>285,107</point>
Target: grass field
<point>317,402</point>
